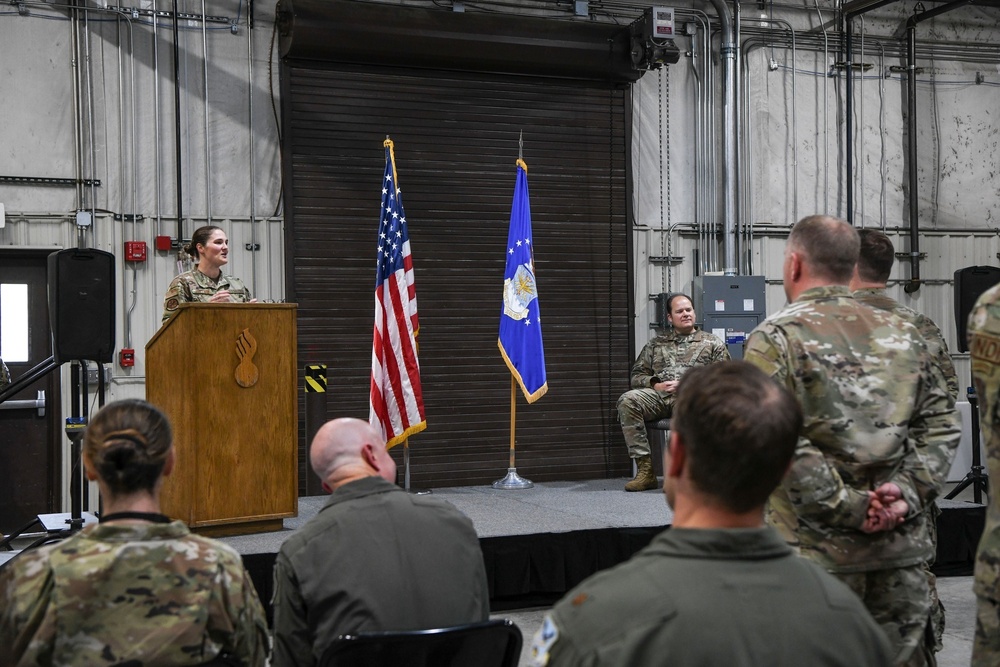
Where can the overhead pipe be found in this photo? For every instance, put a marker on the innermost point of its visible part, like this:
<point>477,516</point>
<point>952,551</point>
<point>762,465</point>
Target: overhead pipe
<point>911,130</point>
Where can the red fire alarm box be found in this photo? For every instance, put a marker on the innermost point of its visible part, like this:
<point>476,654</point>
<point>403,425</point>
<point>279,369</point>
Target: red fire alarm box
<point>163,243</point>
<point>135,251</point>
<point>126,358</point>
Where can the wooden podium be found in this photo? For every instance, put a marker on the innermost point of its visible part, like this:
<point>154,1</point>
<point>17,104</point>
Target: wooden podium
<point>225,374</point>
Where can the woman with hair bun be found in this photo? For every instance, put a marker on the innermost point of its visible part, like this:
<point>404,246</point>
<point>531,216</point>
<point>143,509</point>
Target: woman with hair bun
<point>209,248</point>
<point>137,588</point>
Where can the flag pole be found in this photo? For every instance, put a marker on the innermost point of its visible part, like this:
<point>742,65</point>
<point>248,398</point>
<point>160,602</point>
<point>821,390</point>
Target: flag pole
<point>513,417</point>
<point>513,480</point>
<point>406,464</point>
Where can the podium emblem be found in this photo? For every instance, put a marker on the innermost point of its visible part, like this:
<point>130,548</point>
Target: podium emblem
<point>246,372</point>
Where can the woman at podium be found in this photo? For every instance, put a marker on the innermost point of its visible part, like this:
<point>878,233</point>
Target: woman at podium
<point>206,282</point>
<point>136,588</point>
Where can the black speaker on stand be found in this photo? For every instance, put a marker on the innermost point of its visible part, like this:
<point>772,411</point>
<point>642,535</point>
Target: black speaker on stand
<point>970,283</point>
<point>82,315</point>
<point>82,305</point>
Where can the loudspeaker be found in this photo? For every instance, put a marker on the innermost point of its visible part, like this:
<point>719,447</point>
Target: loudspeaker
<point>81,305</point>
<point>970,283</point>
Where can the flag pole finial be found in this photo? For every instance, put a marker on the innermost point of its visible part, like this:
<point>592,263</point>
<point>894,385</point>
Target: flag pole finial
<point>520,146</point>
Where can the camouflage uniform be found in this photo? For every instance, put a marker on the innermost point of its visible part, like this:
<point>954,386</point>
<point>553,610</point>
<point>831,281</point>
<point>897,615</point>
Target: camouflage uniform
<point>938,349</point>
<point>196,286</point>
<point>876,410</point>
<point>4,376</point>
<point>984,337</point>
<point>936,344</point>
<point>662,359</point>
<point>139,594</point>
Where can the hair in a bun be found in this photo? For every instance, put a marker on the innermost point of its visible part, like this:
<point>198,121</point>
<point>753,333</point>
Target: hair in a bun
<point>127,444</point>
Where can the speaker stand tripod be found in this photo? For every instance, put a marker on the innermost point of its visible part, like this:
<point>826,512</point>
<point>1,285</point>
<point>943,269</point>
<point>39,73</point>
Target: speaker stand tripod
<point>977,476</point>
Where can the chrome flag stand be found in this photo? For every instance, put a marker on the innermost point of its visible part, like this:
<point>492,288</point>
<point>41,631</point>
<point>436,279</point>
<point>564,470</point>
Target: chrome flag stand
<point>406,472</point>
<point>513,480</point>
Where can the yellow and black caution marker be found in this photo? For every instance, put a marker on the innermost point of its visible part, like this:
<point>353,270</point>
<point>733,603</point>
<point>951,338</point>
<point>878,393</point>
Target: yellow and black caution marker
<point>316,379</point>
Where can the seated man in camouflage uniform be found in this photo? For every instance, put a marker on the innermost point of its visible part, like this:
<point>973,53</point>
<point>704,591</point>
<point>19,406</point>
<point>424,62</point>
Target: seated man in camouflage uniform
<point>719,587</point>
<point>655,375</point>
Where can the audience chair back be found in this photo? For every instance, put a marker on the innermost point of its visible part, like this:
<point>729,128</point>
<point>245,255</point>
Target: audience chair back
<point>494,643</point>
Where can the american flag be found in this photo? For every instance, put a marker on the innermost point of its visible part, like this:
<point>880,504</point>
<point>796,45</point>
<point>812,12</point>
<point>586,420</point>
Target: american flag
<point>396,405</point>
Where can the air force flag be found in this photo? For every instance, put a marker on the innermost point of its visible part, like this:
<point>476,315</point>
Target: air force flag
<point>520,339</point>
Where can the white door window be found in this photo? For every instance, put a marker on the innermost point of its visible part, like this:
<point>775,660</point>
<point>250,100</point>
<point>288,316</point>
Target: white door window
<point>13,322</point>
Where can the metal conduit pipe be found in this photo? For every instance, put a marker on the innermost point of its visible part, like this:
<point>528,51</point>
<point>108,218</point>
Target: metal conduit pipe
<point>861,122</point>
<point>732,254</point>
<point>90,123</point>
<point>749,45</point>
<point>850,10</point>
<point>78,116</point>
<point>826,105</point>
<point>883,175</point>
<point>121,121</point>
<point>706,153</point>
<point>698,141</point>
<point>253,191</point>
<point>700,57</point>
<point>208,143</point>
<point>122,188</point>
<point>177,126</point>
<point>729,54</point>
<point>911,131</point>
<point>156,125</point>
<point>135,187</point>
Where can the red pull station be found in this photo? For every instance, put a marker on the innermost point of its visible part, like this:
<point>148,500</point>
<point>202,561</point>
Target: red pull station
<point>135,251</point>
<point>126,358</point>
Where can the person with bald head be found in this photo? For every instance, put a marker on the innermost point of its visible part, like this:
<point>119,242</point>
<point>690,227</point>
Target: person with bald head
<point>375,558</point>
<point>878,438</point>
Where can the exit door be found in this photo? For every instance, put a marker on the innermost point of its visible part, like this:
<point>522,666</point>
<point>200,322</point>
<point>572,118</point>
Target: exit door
<point>30,433</point>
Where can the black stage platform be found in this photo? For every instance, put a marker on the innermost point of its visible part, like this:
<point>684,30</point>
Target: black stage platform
<point>538,543</point>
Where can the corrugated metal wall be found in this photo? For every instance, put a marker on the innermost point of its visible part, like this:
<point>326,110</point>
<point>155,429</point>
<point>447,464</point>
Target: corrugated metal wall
<point>456,141</point>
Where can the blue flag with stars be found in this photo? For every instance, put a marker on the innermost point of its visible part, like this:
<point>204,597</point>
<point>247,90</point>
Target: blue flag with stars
<point>520,339</point>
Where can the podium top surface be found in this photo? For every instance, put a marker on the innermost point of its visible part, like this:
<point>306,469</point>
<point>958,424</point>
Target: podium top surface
<point>191,306</point>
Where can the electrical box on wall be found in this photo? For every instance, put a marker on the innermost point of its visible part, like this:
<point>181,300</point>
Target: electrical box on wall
<point>729,307</point>
<point>135,251</point>
<point>164,243</point>
<point>663,22</point>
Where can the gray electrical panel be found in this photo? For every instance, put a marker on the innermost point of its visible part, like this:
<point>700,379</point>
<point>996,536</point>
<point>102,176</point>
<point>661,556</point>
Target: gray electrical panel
<point>729,307</point>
